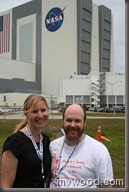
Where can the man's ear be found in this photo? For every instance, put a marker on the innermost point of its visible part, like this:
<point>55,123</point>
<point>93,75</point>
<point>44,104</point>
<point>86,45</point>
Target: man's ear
<point>85,123</point>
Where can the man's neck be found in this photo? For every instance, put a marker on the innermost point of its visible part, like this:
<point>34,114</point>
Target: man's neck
<point>74,142</point>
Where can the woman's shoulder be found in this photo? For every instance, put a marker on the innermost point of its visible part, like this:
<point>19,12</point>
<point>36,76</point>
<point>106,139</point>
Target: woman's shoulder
<point>46,138</point>
<point>14,143</point>
<point>15,137</point>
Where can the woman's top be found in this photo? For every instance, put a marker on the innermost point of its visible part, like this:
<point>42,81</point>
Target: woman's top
<point>28,173</point>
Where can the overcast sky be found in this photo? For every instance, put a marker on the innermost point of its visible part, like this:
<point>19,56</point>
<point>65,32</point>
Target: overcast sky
<point>118,10</point>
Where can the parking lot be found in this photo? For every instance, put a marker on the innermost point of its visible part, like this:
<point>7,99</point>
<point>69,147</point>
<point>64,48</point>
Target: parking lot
<point>20,115</point>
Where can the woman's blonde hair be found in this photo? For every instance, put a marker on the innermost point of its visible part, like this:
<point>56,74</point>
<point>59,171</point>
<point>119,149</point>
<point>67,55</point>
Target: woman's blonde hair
<point>27,107</point>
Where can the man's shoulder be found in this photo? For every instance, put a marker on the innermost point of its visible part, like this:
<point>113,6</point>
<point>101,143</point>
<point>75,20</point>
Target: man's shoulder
<point>94,142</point>
<point>58,140</point>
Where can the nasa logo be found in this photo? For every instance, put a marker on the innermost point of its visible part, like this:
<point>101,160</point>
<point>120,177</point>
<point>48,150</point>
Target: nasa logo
<point>54,19</point>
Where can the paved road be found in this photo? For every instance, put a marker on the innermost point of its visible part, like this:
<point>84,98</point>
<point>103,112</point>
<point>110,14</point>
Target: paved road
<point>21,116</point>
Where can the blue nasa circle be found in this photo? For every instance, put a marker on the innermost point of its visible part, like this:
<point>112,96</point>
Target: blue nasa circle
<point>54,19</point>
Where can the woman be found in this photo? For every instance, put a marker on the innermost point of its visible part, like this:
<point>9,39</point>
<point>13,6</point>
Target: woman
<point>26,159</point>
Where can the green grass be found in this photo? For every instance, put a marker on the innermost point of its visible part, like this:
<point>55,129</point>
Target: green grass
<point>98,114</point>
<point>114,129</point>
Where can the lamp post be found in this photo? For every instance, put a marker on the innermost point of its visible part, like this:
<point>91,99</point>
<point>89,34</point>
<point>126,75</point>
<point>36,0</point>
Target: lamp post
<point>112,91</point>
<point>4,105</point>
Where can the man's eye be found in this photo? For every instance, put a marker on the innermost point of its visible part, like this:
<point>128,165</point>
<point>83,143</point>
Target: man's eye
<point>69,120</point>
<point>77,121</point>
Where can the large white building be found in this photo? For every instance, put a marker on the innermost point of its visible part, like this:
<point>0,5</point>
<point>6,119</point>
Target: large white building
<point>95,89</point>
<point>43,43</point>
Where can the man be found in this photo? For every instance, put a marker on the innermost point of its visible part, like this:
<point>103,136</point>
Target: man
<point>79,161</point>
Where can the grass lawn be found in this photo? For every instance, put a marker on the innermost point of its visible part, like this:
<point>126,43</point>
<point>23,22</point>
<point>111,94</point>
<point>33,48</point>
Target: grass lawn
<point>113,129</point>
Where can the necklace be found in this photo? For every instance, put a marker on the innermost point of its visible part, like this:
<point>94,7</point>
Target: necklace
<point>39,150</point>
<point>60,156</point>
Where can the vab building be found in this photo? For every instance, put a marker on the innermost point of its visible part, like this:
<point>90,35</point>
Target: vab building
<point>62,49</point>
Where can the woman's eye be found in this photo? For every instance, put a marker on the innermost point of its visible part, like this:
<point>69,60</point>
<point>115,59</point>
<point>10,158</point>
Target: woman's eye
<point>43,110</point>
<point>34,111</point>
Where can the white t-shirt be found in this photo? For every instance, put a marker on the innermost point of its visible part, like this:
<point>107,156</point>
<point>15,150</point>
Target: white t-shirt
<point>90,164</point>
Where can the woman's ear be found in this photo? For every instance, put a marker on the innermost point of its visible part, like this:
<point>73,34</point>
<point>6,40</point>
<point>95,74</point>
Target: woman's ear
<point>25,114</point>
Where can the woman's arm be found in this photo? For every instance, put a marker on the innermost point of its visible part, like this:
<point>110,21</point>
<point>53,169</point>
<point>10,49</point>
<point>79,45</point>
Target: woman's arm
<point>8,169</point>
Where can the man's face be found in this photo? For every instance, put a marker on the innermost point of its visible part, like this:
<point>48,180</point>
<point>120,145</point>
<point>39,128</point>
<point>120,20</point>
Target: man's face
<point>74,122</point>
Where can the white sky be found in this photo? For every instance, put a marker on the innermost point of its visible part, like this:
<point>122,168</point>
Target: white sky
<point>118,10</point>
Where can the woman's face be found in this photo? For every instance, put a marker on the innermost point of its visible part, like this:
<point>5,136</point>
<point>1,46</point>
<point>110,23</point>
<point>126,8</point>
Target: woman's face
<point>38,116</point>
